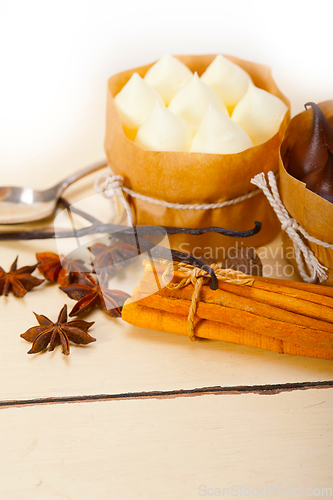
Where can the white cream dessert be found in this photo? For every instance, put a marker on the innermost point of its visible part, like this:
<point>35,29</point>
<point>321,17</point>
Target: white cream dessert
<point>134,103</point>
<point>192,101</point>
<point>259,113</point>
<point>163,131</point>
<point>168,76</point>
<point>219,134</point>
<point>229,80</point>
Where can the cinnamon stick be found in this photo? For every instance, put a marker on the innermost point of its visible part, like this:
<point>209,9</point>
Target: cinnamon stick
<point>236,302</point>
<point>299,285</point>
<point>269,315</point>
<point>155,319</point>
<point>294,300</point>
<point>240,320</point>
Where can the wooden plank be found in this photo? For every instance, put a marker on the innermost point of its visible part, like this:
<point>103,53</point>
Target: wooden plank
<point>125,358</point>
<point>168,448</point>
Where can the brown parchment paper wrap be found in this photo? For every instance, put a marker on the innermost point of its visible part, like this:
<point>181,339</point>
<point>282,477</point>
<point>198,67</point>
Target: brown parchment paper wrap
<point>312,212</point>
<point>190,178</point>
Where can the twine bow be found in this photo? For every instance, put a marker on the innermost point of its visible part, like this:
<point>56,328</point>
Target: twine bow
<point>111,186</point>
<point>199,277</point>
<point>302,252</point>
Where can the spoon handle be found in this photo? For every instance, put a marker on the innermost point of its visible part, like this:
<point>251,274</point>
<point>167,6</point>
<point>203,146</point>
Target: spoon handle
<point>78,175</point>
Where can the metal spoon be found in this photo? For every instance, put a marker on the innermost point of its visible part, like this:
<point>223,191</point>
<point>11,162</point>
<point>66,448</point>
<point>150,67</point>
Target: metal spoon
<point>18,205</point>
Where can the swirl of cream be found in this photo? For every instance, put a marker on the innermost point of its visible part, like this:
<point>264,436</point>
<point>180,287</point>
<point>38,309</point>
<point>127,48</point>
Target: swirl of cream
<point>219,134</point>
<point>192,102</point>
<point>229,80</point>
<point>134,103</point>
<point>259,113</point>
<point>163,131</point>
<point>168,76</point>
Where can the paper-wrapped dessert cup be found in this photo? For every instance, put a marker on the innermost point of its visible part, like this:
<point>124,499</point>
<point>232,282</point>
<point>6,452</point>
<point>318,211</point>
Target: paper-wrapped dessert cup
<point>197,178</point>
<point>312,212</point>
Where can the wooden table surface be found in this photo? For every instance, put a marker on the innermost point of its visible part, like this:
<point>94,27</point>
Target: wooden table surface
<point>145,414</point>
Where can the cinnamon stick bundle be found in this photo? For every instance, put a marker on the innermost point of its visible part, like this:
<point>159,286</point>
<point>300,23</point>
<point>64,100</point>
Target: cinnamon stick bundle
<point>268,314</point>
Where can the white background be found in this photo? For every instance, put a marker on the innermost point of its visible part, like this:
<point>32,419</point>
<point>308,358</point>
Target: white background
<point>56,57</point>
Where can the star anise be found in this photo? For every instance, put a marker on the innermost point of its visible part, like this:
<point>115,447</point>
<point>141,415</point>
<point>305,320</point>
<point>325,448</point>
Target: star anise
<point>112,258</point>
<point>53,334</point>
<point>62,271</point>
<point>90,294</point>
<point>19,281</point>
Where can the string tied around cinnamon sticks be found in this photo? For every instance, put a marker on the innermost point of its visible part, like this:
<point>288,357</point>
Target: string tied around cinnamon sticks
<point>199,277</point>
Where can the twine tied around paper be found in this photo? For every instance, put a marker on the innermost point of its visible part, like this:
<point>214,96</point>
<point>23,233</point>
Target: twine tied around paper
<point>303,253</point>
<point>199,277</point>
<point>111,185</point>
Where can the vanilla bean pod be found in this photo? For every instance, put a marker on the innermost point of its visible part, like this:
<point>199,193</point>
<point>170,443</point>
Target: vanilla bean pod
<point>151,230</point>
<point>133,235</point>
<point>158,250</point>
<point>81,213</point>
<point>130,235</point>
<point>155,230</point>
<point>111,228</point>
